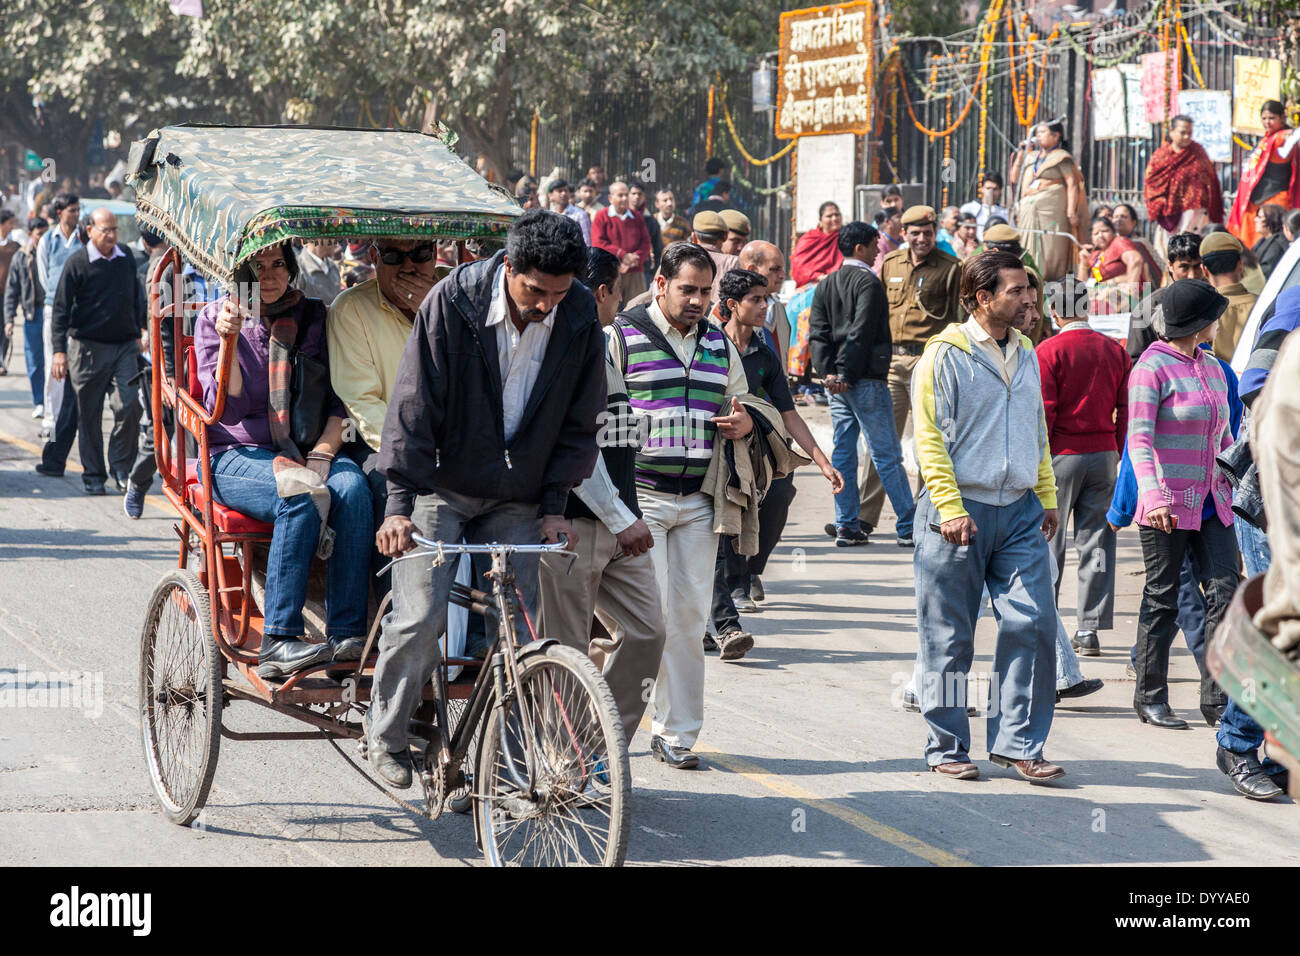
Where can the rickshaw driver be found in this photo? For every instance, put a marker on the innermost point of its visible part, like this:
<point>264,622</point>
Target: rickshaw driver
<point>504,376</point>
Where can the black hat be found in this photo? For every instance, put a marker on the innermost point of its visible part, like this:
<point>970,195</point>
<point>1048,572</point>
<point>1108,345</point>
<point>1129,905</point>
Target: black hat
<point>1189,305</point>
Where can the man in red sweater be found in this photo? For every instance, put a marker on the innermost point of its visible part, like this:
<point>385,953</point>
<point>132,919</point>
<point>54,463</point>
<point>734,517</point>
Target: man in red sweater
<point>1085,398</point>
<point>622,232</point>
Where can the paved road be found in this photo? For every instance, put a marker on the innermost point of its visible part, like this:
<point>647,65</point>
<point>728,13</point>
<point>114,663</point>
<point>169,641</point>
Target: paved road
<point>808,761</point>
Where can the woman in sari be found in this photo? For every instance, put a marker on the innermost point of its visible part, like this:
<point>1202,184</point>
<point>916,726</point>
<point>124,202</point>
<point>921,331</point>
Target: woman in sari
<point>1050,199</point>
<point>1125,220</point>
<point>1117,268</point>
<point>816,255</point>
<point>1182,190</point>
<point>1268,175</point>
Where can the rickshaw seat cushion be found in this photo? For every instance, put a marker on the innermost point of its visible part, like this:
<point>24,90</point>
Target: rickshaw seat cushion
<point>227,520</point>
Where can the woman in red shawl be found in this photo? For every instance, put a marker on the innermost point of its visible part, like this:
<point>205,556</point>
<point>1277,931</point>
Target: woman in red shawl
<point>1268,176</point>
<point>815,254</point>
<point>1182,189</point>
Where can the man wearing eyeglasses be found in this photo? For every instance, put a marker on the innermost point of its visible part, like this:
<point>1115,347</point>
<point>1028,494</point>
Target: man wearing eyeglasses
<point>367,329</point>
<point>98,317</point>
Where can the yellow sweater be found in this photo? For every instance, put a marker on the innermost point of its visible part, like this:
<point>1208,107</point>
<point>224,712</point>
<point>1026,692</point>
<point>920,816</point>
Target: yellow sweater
<point>366,336</point>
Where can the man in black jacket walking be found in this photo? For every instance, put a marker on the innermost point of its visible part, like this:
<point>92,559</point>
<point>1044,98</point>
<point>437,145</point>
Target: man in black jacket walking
<point>98,316</point>
<point>852,349</point>
<point>491,423</point>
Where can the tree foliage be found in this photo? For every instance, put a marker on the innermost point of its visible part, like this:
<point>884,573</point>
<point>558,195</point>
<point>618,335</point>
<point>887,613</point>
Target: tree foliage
<point>481,68</point>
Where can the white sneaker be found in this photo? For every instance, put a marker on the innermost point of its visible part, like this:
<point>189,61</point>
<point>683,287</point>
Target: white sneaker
<point>38,411</point>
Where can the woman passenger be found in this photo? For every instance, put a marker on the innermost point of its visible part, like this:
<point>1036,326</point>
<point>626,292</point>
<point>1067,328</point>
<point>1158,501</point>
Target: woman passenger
<point>259,471</point>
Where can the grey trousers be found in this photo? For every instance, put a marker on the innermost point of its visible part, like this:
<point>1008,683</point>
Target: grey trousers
<point>1084,486</point>
<point>98,369</point>
<point>623,595</point>
<point>408,645</point>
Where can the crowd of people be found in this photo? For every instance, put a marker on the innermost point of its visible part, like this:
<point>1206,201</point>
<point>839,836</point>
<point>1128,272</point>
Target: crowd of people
<point>625,377</point>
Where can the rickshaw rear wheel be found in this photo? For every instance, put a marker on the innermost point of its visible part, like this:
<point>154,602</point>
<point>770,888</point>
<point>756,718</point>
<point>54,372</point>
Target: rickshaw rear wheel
<point>577,813</point>
<point>180,695</point>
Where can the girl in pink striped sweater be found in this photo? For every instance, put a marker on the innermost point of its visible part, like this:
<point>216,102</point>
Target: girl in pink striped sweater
<point>1178,422</point>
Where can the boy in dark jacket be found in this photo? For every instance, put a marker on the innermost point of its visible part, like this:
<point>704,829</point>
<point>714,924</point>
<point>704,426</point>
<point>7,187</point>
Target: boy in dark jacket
<point>491,423</point>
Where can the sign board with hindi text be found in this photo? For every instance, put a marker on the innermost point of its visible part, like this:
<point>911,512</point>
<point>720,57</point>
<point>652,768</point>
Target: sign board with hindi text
<point>1138,126</point>
<point>1211,113</point>
<point>1160,83</point>
<point>824,173</point>
<point>1254,80</point>
<point>824,71</point>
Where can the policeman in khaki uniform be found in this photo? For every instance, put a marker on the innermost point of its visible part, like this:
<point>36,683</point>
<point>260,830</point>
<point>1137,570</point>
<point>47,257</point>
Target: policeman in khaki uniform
<point>922,285</point>
<point>1223,267</point>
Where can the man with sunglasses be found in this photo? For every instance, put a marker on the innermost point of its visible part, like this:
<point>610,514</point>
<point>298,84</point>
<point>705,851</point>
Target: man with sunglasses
<point>367,329</point>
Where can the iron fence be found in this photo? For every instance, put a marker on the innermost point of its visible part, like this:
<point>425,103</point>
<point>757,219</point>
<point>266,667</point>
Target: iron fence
<point>618,133</point>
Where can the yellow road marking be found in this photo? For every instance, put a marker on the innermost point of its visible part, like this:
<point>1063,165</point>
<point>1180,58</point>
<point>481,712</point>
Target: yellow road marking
<point>159,502</point>
<point>854,818</point>
<point>868,825</point>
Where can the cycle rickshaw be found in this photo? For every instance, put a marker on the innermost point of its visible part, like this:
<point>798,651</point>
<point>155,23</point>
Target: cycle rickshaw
<point>529,738</point>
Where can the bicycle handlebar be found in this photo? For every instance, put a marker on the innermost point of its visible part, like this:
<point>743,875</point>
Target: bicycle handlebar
<point>559,547</point>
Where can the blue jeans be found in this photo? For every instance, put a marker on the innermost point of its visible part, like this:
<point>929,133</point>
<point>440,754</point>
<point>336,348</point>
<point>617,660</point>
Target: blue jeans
<point>866,408</point>
<point>1009,556</point>
<point>1238,731</point>
<point>244,481</point>
<point>34,350</point>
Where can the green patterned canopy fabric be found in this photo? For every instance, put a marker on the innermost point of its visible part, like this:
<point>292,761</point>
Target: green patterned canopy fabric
<point>219,194</point>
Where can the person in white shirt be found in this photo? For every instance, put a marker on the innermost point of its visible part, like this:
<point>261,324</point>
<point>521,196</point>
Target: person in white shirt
<point>988,205</point>
<point>613,577</point>
<point>318,272</point>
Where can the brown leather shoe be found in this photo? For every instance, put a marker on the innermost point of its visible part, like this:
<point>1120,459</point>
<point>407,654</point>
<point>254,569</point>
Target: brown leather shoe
<point>957,769</point>
<point>1036,770</point>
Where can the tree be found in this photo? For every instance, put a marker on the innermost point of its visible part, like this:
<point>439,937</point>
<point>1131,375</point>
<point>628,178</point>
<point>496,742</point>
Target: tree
<point>480,68</point>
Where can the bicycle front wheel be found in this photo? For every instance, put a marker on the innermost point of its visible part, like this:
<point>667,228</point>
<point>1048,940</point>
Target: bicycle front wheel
<point>576,812</point>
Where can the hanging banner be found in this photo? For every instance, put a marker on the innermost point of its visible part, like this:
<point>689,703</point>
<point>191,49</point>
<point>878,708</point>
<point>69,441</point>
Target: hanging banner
<point>1108,113</point>
<point>1134,104</point>
<point>1254,80</point>
<point>1160,83</point>
<point>1119,108</point>
<point>1211,113</point>
<point>824,173</point>
<point>825,57</point>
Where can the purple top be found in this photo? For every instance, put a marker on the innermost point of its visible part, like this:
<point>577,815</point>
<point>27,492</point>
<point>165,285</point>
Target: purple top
<point>245,421</point>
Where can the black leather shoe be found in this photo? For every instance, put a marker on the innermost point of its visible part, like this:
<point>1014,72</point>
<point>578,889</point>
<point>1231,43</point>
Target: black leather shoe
<point>1278,773</point>
<point>1086,643</point>
<point>1089,685</point>
<point>1248,778</point>
<point>285,655</point>
<point>48,472</point>
<point>709,643</point>
<point>1212,713</point>
<point>1160,715</point>
<point>910,703</point>
<point>393,769</point>
<point>120,484</point>
<point>680,758</point>
<point>94,487</point>
<point>346,648</point>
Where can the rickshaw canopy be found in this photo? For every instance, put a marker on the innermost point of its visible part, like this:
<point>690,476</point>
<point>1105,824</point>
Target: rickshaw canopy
<point>220,194</point>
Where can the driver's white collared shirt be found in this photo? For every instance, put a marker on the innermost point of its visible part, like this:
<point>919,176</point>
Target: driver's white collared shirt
<point>519,354</point>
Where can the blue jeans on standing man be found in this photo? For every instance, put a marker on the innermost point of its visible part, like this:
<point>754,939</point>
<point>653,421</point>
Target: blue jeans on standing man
<point>1238,731</point>
<point>866,408</point>
<point>245,481</point>
<point>34,350</point>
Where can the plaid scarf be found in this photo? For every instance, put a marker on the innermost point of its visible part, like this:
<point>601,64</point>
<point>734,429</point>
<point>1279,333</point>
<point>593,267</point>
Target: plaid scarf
<point>292,476</point>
